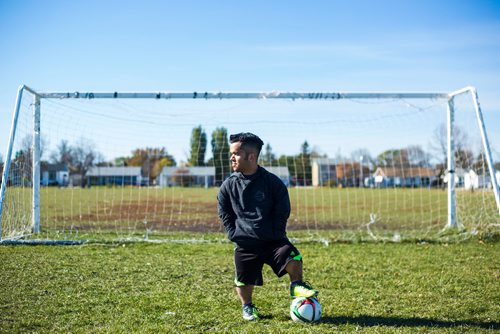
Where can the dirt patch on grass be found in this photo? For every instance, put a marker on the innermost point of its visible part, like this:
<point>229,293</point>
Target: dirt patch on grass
<point>189,215</point>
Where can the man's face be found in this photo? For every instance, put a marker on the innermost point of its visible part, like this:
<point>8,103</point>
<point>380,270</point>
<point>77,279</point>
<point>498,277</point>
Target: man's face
<point>241,161</point>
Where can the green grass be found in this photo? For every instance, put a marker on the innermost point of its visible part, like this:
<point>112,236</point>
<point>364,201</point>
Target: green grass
<point>176,288</point>
<point>413,213</point>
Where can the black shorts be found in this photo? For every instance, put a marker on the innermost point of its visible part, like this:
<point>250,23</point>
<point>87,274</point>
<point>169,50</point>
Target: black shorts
<point>249,262</point>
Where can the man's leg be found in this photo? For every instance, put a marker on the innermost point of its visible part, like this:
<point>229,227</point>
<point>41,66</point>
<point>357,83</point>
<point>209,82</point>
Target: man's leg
<point>298,288</point>
<point>294,269</point>
<point>248,269</point>
<point>245,293</point>
<point>250,312</point>
<point>285,258</point>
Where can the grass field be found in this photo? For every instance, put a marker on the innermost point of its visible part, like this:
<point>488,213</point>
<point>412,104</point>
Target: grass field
<point>413,213</point>
<point>177,288</point>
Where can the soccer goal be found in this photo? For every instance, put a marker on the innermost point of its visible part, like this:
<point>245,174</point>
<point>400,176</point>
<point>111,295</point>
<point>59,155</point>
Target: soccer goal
<point>146,166</point>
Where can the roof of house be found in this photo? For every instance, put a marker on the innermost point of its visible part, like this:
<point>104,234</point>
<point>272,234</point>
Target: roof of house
<point>406,171</point>
<point>194,171</point>
<point>58,167</point>
<point>114,171</point>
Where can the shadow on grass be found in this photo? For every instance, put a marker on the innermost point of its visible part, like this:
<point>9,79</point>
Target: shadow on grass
<point>367,321</point>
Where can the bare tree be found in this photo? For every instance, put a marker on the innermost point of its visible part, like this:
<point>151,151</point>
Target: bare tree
<point>27,148</point>
<point>364,156</point>
<point>63,155</point>
<point>417,156</point>
<point>84,156</point>
<point>439,143</point>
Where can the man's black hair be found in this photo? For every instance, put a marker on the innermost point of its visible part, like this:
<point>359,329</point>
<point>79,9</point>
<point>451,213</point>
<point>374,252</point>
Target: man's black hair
<point>247,139</point>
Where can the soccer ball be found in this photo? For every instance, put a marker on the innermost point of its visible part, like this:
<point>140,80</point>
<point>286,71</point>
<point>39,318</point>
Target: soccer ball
<point>305,309</point>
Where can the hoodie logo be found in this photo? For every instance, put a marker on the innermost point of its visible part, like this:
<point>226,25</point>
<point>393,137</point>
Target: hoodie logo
<point>259,196</point>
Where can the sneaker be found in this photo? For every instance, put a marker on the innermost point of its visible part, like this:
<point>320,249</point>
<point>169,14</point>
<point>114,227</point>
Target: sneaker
<point>250,312</point>
<point>302,289</point>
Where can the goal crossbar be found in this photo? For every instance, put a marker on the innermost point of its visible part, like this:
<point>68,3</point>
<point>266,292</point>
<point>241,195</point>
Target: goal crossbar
<point>244,95</point>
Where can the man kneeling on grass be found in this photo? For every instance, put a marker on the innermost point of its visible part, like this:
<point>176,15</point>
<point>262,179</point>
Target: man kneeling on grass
<point>254,206</point>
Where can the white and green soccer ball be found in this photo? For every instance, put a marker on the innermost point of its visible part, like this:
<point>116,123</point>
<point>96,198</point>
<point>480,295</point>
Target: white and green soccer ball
<point>305,309</point>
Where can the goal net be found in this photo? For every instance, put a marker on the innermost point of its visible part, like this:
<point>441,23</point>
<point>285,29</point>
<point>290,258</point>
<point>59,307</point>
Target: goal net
<point>147,166</point>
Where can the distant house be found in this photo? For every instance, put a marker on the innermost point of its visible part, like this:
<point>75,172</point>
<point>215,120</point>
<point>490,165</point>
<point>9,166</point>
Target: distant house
<point>407,176</point>
<point>282,172</point>
<point>459,177</point>
<point>122,176</point>
<point>324,172</point>
<point>186,176</point>
<point>473,180</point>
<point>54,174</point>
<point>470,179</point>
<point>329,172</point>
<point>351,174</point>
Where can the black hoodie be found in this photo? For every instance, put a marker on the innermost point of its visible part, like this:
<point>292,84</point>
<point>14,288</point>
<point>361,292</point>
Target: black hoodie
<point>254,209</point>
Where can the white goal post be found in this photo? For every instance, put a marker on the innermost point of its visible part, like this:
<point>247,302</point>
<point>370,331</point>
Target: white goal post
<point>448,98</point>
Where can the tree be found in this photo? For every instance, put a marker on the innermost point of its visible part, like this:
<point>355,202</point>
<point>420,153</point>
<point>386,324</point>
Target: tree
<point>151,160</point>
<point>84,156</point>
<point>439,143</point>
<point>63,154</point>
<point>267,158</point>
<point>393,158</point>
<point>299,166</point>
<point>79,158</point>
<point>363,156</point>
<point>159,164</point>
<point>289,161</point>
<point>411,156</point>
<point>198,147</point>
<point>220,152</point>
<point>481,164</point>
<point>417,156</point>
<point>20,168</point>
<point>23,161</point>
<point>303,165</point>
<point>120,161</point>
<point>464,158</point>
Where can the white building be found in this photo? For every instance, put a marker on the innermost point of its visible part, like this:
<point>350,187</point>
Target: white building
<point>469,179</point>
<point>459,177</point>
<point>472,180</point>
<point>282,172</point>
<point>122,176</point>
<point>186,176</point>
<point>408,176</point>
<point>54,174</point>
<point>324,171</point>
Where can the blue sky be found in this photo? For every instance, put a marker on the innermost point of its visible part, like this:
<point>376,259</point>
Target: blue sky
<point>250,46</point>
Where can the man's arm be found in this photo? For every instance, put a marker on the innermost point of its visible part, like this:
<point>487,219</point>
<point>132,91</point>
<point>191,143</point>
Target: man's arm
<point>281,210</point>
<point>226,213</point>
